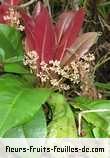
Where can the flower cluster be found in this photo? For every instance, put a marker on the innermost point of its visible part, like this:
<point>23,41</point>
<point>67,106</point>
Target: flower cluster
<point>31,59</point>
<point>56,75</point>
<point>10,15</point>
<point>86,61</point>
<point>12,18</point>
<point>53,73</point>
<point>55,52</point>
<point>86,67</point>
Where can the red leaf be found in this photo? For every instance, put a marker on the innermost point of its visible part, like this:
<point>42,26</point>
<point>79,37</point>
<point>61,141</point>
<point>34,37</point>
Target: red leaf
<point>3,11</point>
<point>80,47</point>
<point>29,30</point>
<point>70,33</point>
<point>45,38</point>
<point>63,24</point>
<point>84,43</point>
<point>40,34</point>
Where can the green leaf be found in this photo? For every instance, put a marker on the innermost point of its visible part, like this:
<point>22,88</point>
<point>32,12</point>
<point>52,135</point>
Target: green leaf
<point>18,103</point>
<point>99,104</point>
<point>100,133</point>
<point>14,59</point>
<point>10,81</point>
<point>103,104</point>
<point>16,132</point>
<point>2,55</point>
<point>36,128</point>
<point>15,68</point>
<point>95,117</point>
<point>11,49</point>
<point>63,123</point>
<point>10,42</point>
<point>96,120</point>
<point>103,86</point>
<point>80,102</point>
<point>93,105</point>
<point>30,79</point>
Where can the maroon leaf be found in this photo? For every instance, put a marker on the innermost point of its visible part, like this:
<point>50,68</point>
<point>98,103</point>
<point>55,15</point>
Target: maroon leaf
<point>45,39</point>
<point>29,30</point>
<point>63,24</point>
<point>3,11</point>
<point>40,34</point>
<point>80,47</point>
<point>71,33</point>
